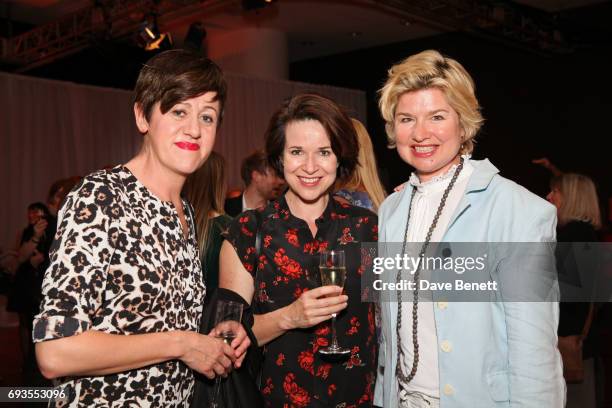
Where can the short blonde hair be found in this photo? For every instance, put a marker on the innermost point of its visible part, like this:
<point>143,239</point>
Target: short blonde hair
<point>579,200</point>
<point>430,69</point>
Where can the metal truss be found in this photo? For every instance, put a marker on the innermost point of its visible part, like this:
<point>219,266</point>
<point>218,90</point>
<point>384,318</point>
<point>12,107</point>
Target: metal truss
<point>75,32</point>
<point>498,20</point>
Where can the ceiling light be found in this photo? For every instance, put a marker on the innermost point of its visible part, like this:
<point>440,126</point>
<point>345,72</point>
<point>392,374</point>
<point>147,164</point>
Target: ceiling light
<point>150,38</point>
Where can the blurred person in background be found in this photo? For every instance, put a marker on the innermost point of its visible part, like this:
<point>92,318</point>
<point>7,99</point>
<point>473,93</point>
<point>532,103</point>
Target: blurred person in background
<point>32,261</point>
<point>364,188</point>
<point>205,190</point>
<point>575,197</point>
<point>261,185</point>
<point>58,192</point>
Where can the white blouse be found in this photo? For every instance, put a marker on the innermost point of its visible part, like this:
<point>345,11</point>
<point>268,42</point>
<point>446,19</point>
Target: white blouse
<point>425,203</point>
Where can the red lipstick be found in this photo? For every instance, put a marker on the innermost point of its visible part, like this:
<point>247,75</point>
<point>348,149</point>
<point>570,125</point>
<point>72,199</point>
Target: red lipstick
<point>188,146</point>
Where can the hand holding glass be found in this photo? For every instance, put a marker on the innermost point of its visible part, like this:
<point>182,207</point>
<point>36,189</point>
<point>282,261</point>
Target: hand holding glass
<point>227,322</point>
<point>332,268</point>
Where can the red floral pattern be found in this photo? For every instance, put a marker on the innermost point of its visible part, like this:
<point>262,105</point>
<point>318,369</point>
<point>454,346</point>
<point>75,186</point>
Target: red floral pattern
<point>292,238</point>
<point>294,374</point>
<point>306,360</point>
<point>299,396</point>
<point>280,359</point>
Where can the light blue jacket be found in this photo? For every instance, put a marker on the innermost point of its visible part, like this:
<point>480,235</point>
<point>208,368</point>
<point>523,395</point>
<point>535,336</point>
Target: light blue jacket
<point>502,354</point>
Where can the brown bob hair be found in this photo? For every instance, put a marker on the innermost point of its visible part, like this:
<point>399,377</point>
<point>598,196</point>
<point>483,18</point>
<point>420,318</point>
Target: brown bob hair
<point>335,121</point>
<point>174,76</point>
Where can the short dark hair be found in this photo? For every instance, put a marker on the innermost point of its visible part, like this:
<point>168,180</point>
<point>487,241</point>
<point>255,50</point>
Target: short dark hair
<point>39,206</point>
<point>256,161</point>
<point>330,115</point>
<point>174,76</point>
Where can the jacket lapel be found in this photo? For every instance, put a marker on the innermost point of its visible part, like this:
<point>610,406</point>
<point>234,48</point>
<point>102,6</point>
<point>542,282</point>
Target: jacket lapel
<point>481,177</point>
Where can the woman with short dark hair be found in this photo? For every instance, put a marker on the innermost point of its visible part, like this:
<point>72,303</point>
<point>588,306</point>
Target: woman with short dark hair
<point>311,142</point>
<point>124,292</point>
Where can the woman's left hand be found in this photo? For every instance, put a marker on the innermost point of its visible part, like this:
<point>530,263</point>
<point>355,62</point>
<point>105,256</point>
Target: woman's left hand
<point>240,344</point>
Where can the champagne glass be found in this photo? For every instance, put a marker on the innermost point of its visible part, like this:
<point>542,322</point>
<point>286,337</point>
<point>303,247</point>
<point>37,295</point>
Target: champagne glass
<point>332,268</point>
<point>227,321</point>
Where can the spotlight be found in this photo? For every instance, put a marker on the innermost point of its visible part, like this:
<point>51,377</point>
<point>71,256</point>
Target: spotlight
<point>163,42</point>
<point>150,38</point>
<point>255,4</point>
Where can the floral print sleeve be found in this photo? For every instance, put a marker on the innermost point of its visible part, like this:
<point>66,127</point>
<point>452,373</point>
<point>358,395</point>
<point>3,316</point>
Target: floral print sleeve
<point>241,234</point>
<point>76,279</point>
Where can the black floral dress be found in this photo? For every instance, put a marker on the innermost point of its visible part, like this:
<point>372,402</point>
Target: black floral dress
<point>294,374</point>
<point>121,265</point>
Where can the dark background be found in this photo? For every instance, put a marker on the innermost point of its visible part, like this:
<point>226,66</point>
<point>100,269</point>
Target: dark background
<point>534,105</point>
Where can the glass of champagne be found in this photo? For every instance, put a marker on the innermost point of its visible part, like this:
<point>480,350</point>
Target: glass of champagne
<point>227,321</point>
<point>332,268</point>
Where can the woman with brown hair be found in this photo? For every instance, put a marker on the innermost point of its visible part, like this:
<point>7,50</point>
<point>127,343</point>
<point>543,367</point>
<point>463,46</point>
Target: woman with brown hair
<point>205,190</point>
<point>123,296</point>
<point>312,143</point>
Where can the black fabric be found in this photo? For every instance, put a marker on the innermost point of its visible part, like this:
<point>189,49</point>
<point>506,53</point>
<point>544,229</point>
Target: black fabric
<point>233,206</point>
<point>572,315</point>
<point>240,389</point>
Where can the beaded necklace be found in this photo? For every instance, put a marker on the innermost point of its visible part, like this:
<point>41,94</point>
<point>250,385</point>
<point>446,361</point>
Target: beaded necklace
<point>415,303</point>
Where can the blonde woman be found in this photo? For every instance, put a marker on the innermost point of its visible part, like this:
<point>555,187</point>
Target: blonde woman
<point>461,354</point>
<point>205,190</point>
<point>577,204</point>
<point>364,188</point>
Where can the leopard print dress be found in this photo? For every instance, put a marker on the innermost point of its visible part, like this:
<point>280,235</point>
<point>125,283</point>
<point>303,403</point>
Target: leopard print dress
<point>120,264</point>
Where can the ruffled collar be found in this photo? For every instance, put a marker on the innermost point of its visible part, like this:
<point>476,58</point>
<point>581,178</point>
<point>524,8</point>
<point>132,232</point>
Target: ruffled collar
<point>438,182</point>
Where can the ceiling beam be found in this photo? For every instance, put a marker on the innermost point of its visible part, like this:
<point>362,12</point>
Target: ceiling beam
<point>498,21</point>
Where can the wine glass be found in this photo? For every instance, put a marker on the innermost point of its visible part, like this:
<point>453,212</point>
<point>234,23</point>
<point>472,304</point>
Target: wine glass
<point>227,321</point>
<point>332,268</point>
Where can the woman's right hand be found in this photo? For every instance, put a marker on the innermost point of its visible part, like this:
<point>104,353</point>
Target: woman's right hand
<point>314,306</point>
<point>206,354</point>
